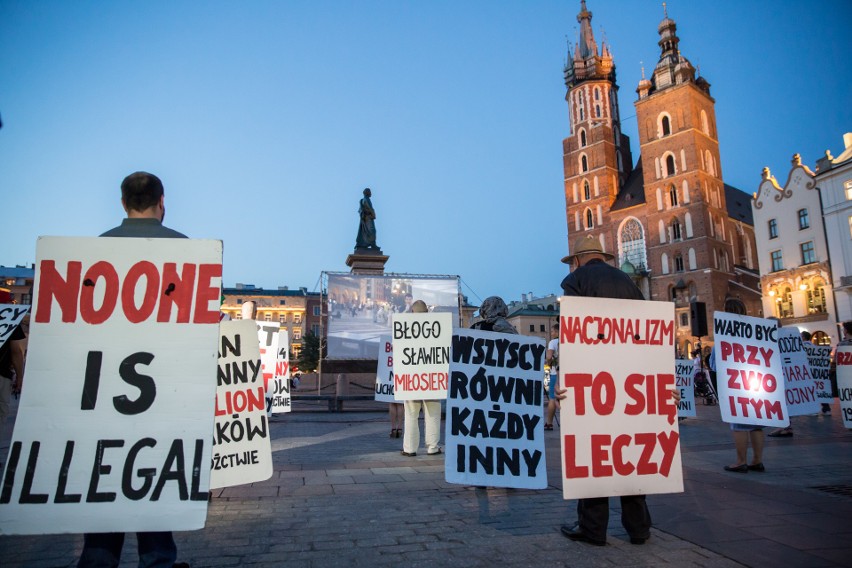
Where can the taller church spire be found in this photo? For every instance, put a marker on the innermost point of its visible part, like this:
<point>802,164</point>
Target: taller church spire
<point>588,62</point>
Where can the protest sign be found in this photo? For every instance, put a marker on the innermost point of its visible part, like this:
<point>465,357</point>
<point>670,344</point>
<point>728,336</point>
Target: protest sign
<point>278,397</point>
<point>494,431</point>
<point>619,373</point>
<point>843,360</point>
<point>685,371</point>
<point>799,387</point>
<point>11,316</point>
<point>421,342</point>
<point>748,370</point>
<point>384,371</point>
<point>241,449</point>
<point>819,358</point>
<point>113,428</point>
<point>267,335</point>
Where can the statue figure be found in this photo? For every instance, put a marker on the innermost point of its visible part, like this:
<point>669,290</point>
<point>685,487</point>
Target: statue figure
<point>366,238</point>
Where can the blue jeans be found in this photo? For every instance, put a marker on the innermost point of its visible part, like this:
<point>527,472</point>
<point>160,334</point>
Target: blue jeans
<point>103,550</point>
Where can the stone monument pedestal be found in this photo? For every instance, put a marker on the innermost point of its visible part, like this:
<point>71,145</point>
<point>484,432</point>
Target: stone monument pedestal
<point>367,261</point>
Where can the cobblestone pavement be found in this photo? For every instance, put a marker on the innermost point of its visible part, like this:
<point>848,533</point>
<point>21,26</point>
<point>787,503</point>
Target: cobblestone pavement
<point>342,495</point>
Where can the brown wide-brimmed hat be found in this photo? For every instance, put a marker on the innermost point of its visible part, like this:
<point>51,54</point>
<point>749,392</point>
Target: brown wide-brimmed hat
<point>587,245</point>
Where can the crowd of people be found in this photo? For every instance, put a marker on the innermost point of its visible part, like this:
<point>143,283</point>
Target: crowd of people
<point>142,197</point>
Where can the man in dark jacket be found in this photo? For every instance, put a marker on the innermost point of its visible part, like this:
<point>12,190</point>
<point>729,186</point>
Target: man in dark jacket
<point>592,276</point>
<point>142,197</point>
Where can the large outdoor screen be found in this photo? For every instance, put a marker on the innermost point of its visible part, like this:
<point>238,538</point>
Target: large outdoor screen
<point>360,308</point>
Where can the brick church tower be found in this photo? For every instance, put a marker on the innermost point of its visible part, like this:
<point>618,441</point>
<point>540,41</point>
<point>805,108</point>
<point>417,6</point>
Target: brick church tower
<point>672,223</point>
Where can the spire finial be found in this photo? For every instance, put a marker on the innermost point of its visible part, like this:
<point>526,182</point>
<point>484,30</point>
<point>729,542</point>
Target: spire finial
<point>642,65</point>
<point>665,9</point>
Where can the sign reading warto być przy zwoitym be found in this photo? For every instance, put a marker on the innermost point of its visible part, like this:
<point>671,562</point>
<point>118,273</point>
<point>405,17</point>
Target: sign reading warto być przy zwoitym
<point>114,425</point>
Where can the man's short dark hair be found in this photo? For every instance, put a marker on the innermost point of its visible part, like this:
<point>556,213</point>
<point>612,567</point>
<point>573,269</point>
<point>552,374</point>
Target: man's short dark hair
<point>141,191</point>
<point>847,327</point>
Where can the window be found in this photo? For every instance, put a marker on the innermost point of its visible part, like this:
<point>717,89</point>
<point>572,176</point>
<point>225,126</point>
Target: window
<point>315,329</point>
<point>848,187</point>
<point>282,302</point>
<point>532,327</point>
<point>676,232</point>
<point>631,244</point>
<point>785,304</point>
<point>803,219</point>
<point>808,255</point>
<point>582,139</point>
<point>590,220</point>
<point>316,311</point>
<point>678,260</point>
<point>667,128</point>
<point>587,192</point>
<point>820,338</point>
<point>773,229</point>
<point>267,317</point>
<point>282,318</point>
<point>239,300</point>
<point>670,165</point>
<point>597,111</point>
<point>541,327</point>
<point>297,333</point>
<point>297,317</point>
<point>673,196</point>
<point>584,163</point>
<point>816,298</point>
<point>777,263</point>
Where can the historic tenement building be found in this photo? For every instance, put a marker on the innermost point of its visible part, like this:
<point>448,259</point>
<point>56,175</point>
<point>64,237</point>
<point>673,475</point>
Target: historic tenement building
<point>670,219</point>
<point>795,275</point>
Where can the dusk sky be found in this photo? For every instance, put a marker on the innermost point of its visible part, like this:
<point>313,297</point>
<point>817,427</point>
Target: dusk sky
<point>266,120</point>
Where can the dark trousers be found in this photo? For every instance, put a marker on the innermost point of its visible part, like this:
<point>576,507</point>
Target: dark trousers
<point>593,515</point>
<point>103,550</point>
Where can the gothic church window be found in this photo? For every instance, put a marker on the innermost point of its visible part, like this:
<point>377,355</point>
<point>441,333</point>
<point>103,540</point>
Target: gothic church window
<point>678,262</point>
<point>582,138</point>
<point>673,196</point>
<point>587,193</point>
<point>631,244</point>
<point>676,233</point>
<point>584,163</point>
<point>666,127</point>
<point>670,165</point>
<point>590,219</point>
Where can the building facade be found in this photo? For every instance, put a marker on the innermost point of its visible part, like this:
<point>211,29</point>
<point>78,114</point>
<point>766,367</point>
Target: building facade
<point>834,181</point>
<point>18,281</point>
<point>795,274</point>
<point>670,220</point>
<point>287,307</point>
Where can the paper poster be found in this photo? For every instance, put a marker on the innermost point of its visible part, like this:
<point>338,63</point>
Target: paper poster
<point>494,428</point>
<point>685,370</point>
<point>268,337</point>
<point>11,316</point>
<point>241,448</point>
<point>114,425</point>
<point>421,344</point>
<point>278,399</point>
<point>843,358</point>
<point>619,420</point>
<point>384,371</point>
<point>799,387</point>
<point>819,358</point>
<point>748,370</point>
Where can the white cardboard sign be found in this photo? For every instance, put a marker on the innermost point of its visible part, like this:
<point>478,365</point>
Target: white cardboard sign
<point>384,370</point>
<point>620,430</point>
<point>684,381</point>
<point>799,387</point>
<point>819,358</point>
<point>843,358</point>
<point>421,344</point>
<point>494,429</point>
<point>748,370</point>
<point>113,428</point>
<point>278,396</point>
<point>241,449</point>
<point>11,316</point>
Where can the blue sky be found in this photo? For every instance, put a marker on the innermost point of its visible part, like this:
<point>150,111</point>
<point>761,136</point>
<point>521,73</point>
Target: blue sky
<point>265,120</point>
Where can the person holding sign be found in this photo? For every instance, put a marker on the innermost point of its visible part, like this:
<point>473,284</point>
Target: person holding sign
<point>142,197</point>
<point>552,358</point>
<point>591,276</point>
<point>431,415</point>
<point>11,362</point>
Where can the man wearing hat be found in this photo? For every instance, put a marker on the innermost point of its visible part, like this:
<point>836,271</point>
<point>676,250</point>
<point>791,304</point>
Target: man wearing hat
<point>592,276</point>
